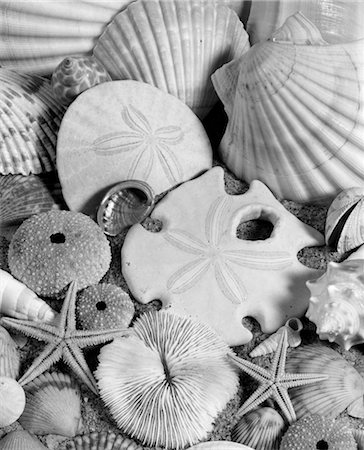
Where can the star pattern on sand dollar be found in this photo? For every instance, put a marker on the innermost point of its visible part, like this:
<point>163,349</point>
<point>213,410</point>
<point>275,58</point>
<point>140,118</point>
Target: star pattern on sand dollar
<point>63,340</point>
<point>275,382</point>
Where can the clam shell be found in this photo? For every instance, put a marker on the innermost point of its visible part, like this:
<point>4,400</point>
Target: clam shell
<point>125,204</point>
<point>332,396</point>
<point>260,428</point>
<point>53,405</point>
<point>102,441</point>
<point>174,46</point>
<point>29,122</point>
<point>9,355</point>
<point>36,36</point>
<point>12,401</point>
<point>282,101</point>
<point>20,440</point>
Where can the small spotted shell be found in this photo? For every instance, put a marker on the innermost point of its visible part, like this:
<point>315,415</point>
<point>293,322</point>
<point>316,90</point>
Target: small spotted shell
<point>12,401</point>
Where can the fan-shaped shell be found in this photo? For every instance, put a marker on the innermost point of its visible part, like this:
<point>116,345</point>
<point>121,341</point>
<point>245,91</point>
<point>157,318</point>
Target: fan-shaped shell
<point>174,46</point>
<point>101,441</point>
<point>20,440</point>
<point>296,117</point>
<point>36,36</point>
<point>343,387</point>
<point>30,118</point>
<point>9,355</point>
<point>12,401</point>
<point>260,428</point>
<point>53,405</point>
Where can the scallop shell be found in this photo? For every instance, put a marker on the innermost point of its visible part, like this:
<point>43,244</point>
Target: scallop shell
<point>21,197</point>
<point>12,401</point>
<point>36,36</point>
<point>102,441</point>
<point>17,300</point>
<point>260,428</point>
<point>344,227</point>
<point>30,118</point>
<point>359,438</point>
<point>53,405</point>
<point>174,46</point>
<point>344,387</point>
<point>337,303</point>
<point>296,118</point>
<point>9,355</point>
<point>125,204</point>
<point>20,440</point>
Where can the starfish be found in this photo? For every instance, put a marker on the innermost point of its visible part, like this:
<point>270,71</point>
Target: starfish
<point>64,341</point>
<point>275,382</point>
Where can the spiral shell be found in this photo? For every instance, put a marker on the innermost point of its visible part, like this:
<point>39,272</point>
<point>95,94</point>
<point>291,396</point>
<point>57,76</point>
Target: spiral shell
<point>102,441</point>
<point>20,440</point>
<point>9,355</point>
<point>337,303</point>
<point>12,401</point>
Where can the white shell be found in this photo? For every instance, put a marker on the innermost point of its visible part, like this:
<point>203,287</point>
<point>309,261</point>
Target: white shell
<point>9,355</point>
<point>296,117</point>
<point>175,46</point>
<point>35,35</point>
<point>337,303</point>
<point>102,441</point>
<point>53,405</point>
<point>17,300</point>
<point>29,121</point>
<point>20,440</point>
<point>12,401</point>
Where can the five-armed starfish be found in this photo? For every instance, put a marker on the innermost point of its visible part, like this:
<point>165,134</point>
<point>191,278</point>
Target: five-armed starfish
<point>63,341</point>
<point>275,382</point>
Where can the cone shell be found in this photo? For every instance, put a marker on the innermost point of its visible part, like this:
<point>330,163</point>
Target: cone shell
<point>296,117</point>
<point>102,441</point>
<point>260,428</point>
<point>20,440</point>
<point>331,397</point>
<point>337,303</point>
<point>12,401</point>
<point>9,355</point>
<point>29,121</point>
<point>53,405</point>
<point>37,36</point>
<point>175,46</point>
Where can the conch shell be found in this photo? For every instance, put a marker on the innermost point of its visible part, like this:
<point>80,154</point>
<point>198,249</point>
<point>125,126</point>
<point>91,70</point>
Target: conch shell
<point>337,303</point>
<point>17,300</point>
<point>296,113</point>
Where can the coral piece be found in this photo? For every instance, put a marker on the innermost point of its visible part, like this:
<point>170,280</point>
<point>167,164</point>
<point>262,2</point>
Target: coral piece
<point>315,431</point>
<point>275,382</point>
<point>16,300</point>
<point>12,401</point>
<point>101,441</point>
<point>51,249</point>
<point>198,267</point>
<point>260,429</point>
<point>104,306</point>
<point>29,120</point>
<point>281,100</point>
<point>53,405</point>
<point>76,74</point>
<point>343,388</point>
<point>175,46</point>
<point>9,355</point>
<point>293,326</point>
<point>119,131</point>
<point>337,303</point>
<point>64,341</point>
<point>166,384</point>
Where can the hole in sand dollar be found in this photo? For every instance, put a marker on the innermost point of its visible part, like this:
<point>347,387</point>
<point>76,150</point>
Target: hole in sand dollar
<point>57,238</point>
<point>101,306</point>
<point>255,230</point>
<point>322,445</point>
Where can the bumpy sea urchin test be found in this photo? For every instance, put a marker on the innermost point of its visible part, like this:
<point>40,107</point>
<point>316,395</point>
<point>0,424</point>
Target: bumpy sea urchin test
<point>165,385</point>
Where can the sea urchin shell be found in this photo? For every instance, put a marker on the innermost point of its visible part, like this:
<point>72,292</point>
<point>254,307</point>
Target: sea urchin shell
<point>165,385</point>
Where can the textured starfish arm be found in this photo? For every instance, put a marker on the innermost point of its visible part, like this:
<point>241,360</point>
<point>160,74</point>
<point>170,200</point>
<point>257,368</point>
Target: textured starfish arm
<point>258,397</point>
<point>75,359</point>
<point>37,330</point>
<point>49,356</point>
<point>258,373</point>
<point>280,395</point>
<point>300,379</point>
<point>89,338</point>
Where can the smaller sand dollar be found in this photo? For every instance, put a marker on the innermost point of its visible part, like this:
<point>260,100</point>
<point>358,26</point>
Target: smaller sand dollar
<point>12,401</point>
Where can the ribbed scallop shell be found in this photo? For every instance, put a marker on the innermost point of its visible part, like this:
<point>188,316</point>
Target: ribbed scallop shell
<point>102,441</point>
<point>20,440</point>
<point>174,46</point>
<point>260,429</point>
<point>12,401</point>
<point>9,355</point>
<point>296,117</point>
<point>35,35</point>
<point>30,118</point>
<point>343,389</point>
<point>53,405</point>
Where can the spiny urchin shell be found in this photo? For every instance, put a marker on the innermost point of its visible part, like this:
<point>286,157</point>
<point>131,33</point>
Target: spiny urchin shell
<point>104,306</point>
<point>167,383</point>
<point>315,431</point>
<point>51,249</point>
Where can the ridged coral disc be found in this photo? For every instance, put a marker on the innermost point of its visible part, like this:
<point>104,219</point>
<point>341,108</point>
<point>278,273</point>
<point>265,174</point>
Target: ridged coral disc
<point>165,385</point>
<point>102,441</point>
